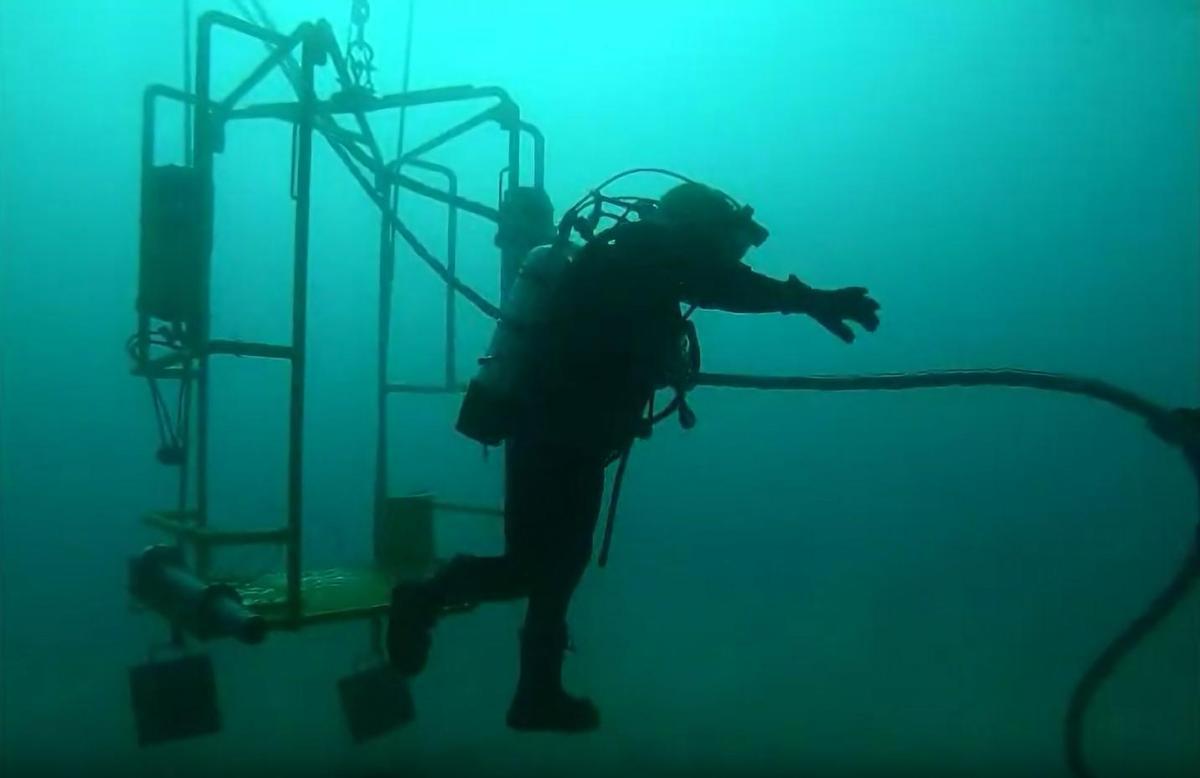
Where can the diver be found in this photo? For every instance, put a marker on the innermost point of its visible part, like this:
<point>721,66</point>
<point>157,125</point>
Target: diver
<point>605,334</point>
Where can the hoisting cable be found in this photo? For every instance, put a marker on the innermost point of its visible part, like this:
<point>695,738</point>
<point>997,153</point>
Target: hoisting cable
<point>187,82</point>
<point>408,42</point>
<point>394,202</point>
<point>408,37</point>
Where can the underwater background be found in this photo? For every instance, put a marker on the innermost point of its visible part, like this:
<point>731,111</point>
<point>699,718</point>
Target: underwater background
<point>806,583</point>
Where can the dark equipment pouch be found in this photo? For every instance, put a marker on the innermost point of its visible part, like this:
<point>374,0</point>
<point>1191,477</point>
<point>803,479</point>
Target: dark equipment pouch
<point>176,234</point>
<point>485,416</point>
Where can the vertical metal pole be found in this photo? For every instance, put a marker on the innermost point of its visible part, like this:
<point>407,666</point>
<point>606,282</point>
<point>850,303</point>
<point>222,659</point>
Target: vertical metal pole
<point>185,437</point>
<point>510,260</point>
<point>387,262</point>
<point>185,381</point>
<point>387,267</point>
<point>387,271</point>
<point>539,154</point>
<point>304,139</point>
<point>148,127</point>
<point>451,294</point>
<point>203,161</point>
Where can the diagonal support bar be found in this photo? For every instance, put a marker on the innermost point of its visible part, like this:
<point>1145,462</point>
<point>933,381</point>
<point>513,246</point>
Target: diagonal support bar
<point>273,60</point>
<point>445,137</point>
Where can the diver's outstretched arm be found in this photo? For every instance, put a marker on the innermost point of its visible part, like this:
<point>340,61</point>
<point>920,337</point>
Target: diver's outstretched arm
<point>738,289</point>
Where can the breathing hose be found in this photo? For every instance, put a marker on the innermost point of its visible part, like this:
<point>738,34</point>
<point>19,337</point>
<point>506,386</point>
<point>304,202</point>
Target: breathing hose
<point>1178,428</point>
<point>618,480</point>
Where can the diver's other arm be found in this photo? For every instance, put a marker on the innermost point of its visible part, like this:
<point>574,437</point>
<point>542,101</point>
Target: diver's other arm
<point>741,290</point>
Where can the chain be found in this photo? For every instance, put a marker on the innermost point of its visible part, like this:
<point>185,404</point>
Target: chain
<point>360,55</point>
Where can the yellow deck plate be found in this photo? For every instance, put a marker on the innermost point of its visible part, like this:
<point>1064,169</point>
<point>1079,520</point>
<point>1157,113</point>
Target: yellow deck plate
<point>327,595</point>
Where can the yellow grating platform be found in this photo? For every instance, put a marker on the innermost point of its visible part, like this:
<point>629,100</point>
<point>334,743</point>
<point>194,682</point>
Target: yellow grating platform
<point>327,595</point>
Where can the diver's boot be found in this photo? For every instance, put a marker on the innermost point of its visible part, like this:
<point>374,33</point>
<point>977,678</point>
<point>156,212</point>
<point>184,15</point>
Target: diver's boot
<point>540,704</point>
<point>417,605</point>
<point>414,612</point>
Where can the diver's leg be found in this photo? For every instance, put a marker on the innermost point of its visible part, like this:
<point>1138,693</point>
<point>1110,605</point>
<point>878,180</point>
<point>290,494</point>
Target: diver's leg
<point>465,580</point>
<point>558,556</point>
<point>416,606</point>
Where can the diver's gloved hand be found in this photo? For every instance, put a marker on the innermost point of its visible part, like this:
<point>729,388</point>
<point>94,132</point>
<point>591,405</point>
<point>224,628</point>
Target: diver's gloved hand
<point>833,308</point>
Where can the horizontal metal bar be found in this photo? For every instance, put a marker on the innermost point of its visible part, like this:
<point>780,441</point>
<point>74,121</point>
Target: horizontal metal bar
<point>156,365</point>
<point>477,510</point>
<point>183,528</point>
<point>288,112</point>
<point>220,19</point>
<point>155,91</point>
<point>402,388</point>
<point>168,365</point>
<point>352,104</point>
<point>278,619</point>
<point>445,94</point>
<point>240,348</point>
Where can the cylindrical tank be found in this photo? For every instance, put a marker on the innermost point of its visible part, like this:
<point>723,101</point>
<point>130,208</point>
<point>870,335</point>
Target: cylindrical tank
<point>208,610</point>
<point>492,395</point>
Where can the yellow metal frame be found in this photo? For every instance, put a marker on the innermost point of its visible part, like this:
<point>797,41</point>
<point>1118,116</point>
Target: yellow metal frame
<point>405,549</point>
<point>404,546</point>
